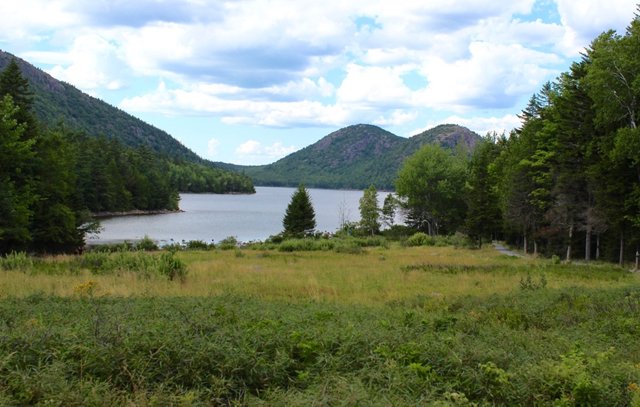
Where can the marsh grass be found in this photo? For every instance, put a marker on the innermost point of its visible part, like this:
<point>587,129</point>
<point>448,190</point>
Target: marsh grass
<point>370,276</point>
<point>386,325</point>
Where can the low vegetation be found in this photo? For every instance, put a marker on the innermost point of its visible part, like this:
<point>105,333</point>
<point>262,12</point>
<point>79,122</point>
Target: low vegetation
<point>387,324</point>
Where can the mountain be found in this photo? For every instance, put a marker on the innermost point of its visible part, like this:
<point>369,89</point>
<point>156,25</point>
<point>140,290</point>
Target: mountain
<point>56,101</point>
<point>354,157</point>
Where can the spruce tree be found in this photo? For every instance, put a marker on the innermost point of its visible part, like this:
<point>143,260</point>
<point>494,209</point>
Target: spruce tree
<point>13,83</point>
<point>300,218</point>
<point>17,190</point>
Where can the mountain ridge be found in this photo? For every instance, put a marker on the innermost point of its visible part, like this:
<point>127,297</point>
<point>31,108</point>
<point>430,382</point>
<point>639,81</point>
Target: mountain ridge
<point>354,157</point>
<point>56,101</point>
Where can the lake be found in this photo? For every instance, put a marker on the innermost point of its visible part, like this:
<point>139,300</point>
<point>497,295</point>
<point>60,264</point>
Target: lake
<point>213,217</point>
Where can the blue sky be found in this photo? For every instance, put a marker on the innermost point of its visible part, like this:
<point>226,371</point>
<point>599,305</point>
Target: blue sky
<point>250,81</point>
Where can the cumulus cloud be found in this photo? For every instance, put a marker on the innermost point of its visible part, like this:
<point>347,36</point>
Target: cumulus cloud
<point>279,63</point>
<point>374,86</point>
<point>481,125</point>
<point>236,108</point>
<point>91,63</point>
<point>494,76</point>
<point>584,20</point>
<point>255,152</point>
<point>212,147</point>
<point>28,19</point>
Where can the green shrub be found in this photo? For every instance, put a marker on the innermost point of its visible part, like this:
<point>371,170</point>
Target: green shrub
<point>199,245</point>
<point>552,347</point>
<point>420,239</point>
<point>172,267</point>
<point>228,243</point>
<point>146,244</point>
<point>19,261</point>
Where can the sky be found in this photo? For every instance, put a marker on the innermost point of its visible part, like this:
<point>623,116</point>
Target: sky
<point>251,81</point>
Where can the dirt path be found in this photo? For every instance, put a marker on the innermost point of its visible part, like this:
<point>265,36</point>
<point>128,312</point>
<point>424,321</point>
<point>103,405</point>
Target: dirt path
<point>505,251</point>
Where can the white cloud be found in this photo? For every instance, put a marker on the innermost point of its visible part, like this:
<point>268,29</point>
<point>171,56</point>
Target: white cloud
<point>249,148</point>
<point>481,125</point>
<point>29,19</point>
<point>494,76</point>
<point>584,20</point>
<point>91,63</point>
<point>397,117</point>
<point>374,86</point>
<point>212,147</point>
<point>253,151</point>
<point>237,108</point>
<point>284,64</point>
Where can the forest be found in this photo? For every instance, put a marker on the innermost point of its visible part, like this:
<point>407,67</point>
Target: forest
<point>566,183</point>
<point>52,179</point>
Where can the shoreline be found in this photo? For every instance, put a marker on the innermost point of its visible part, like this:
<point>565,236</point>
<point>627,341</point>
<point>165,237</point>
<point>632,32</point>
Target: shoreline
<point>135,212</point>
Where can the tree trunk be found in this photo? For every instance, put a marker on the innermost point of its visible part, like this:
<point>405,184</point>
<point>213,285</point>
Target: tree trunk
<point>535,248</point>
<point>587,245</point>
<point>621,257</point>
<point>569,245</point>
<point>598,246</point>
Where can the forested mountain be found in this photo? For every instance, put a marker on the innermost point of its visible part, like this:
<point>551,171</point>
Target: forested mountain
<point>355,157</point>
<point>55,102</point>
<point>53,176</point>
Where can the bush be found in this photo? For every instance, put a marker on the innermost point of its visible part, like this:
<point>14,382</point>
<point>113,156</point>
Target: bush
<point>16,261</point>
<point>199,245</point>
<point>147,244</point>
<point>420,239</point>
<point>228,243</point>
<point>172,267</point>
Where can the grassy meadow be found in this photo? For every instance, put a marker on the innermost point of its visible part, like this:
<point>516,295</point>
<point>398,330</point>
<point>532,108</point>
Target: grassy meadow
<point>266,325</point>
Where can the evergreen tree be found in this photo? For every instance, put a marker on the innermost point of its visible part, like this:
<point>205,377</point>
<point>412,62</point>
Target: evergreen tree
<point>483,211</point>
<point>300,217</point>
<point>369,211</point>
<point>13,83</point>
<point>56,222</point>
<point>17,189</point>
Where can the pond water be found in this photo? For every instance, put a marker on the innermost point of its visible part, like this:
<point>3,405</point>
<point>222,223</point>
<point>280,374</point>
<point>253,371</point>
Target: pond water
<point>213,217</point>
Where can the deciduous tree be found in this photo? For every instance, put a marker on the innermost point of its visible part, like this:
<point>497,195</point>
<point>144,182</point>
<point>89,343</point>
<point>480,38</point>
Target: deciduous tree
<point>369,211</point>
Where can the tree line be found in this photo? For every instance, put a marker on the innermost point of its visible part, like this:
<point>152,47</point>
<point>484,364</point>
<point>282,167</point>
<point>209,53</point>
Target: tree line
<point>566,181</point>
<point>52,179</point>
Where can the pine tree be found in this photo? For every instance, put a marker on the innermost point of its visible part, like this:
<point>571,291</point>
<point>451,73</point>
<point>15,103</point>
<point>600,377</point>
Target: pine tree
<point>300,217</point>
<point>483,211</point>
<point>16,185</point>
<point>13,83</point>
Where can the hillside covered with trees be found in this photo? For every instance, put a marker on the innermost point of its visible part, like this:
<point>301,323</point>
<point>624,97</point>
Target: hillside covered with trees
<point>54,102</point>
<point>355,157</point>
<point>52,178</point>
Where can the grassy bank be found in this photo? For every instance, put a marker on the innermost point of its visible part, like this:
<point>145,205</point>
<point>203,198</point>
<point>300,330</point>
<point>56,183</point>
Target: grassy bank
<point>387,326</point>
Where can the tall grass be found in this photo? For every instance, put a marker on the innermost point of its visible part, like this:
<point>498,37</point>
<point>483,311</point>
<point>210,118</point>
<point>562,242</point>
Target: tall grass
<point>372,276</point>
<point>380,325</point>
